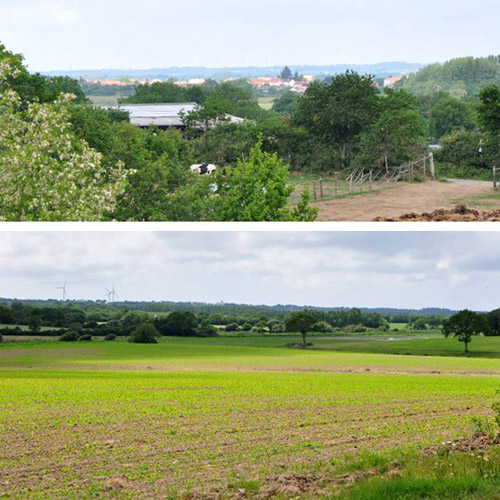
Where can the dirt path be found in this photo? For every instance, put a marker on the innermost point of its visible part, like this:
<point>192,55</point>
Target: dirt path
<point>395,201</point>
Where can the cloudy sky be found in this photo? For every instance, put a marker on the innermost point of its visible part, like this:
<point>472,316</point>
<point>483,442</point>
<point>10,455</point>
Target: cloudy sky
<point>369,269</point>
<point>84,34</point>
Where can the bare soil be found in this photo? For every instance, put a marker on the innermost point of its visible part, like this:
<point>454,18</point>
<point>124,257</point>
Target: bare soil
<point>461,213</point>
<point>393,202</point>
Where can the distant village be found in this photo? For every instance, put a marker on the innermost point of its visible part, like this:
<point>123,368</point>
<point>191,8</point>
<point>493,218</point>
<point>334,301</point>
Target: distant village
<point>265,84</point>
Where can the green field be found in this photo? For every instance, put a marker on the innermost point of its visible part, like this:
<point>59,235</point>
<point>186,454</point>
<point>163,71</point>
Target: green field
<point>229,417</point>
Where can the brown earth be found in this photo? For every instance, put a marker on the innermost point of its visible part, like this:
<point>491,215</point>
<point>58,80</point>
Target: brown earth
<point>391,203</point>
<point>459,214</point>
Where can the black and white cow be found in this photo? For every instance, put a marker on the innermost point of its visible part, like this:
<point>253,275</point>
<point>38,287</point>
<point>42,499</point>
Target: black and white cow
<point>203,168</point>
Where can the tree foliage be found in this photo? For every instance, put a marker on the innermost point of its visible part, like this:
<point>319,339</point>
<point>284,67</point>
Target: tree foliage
<point>301,322</point>
<point>144,334</point>
<point>340,111</point>
<point>256,189</point>
<point>464,326</point>
<point>46,172</point>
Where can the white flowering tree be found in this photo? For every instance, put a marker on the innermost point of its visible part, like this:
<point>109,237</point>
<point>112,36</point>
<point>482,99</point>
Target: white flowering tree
<point>46,172</point>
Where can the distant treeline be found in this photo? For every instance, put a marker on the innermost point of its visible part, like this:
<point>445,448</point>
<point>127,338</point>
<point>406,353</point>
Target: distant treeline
<point>102,319</point>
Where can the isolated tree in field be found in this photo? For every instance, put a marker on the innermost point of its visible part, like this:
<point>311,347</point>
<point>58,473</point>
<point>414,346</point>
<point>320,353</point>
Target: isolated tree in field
<point>302,322</point>
<point>464,326</point>
<point>46,172</point>
<point>144,334</point>
<point>338,112</point>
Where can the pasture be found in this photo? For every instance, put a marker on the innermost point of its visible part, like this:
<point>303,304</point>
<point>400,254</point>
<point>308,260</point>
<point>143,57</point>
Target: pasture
<point>228,417</point>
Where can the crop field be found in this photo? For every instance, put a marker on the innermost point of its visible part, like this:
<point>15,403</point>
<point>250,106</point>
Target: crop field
<point>221,418</point>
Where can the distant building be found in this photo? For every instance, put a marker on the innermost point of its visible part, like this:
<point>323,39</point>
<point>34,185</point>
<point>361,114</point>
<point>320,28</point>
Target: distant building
<point>391,81</point>
<point>194,82</point>
<point>163,116</point>
<point>265,83</point>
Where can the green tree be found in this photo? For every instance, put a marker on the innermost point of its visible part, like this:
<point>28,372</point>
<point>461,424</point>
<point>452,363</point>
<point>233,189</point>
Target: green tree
<point>493,318</point>
<point>256,189</point>
<point>397,135</point>
<point>340,111</point>
<point>286,74</point>
<point>448,115</point>
<point>287,103</point>
<point>144,334</point>
<point>46,172</point>
<point>301,322</point>
<point>205,329</point>
<point>464,326</point>
<point>35,324</point>
<point>489,117</point>
<point>178,324</point>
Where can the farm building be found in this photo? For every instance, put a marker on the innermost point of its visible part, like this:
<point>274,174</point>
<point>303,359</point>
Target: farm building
<point>162,115</point>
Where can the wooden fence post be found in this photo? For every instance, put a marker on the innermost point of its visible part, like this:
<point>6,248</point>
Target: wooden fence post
<point>370,180</point>
<point>494,177</point>
<point>350,183</point>
<point>321,189</point>
<point>432,166</point>
<point>314,190</point>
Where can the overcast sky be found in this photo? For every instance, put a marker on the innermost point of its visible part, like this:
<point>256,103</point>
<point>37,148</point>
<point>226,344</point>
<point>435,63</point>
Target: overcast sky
<point>84,34</point>
<point>366,269</point>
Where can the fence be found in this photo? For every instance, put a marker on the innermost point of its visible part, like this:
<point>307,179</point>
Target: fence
<point>364,179</point>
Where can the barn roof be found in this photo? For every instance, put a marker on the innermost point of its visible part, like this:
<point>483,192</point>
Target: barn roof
<point>161,115</point>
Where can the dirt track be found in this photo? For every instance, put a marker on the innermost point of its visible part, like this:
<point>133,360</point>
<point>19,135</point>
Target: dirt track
<point>396,201</point>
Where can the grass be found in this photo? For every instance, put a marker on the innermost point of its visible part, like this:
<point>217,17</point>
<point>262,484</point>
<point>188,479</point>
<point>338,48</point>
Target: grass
<point>216,416</point>
<point>266,102</point>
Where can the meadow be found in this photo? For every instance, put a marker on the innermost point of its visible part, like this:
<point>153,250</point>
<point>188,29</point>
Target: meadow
<point>242,418</point>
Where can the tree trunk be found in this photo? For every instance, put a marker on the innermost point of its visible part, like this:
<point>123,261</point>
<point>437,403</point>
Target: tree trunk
<point>342,153</point>
<point>466,349</point>
<point>303,339</point>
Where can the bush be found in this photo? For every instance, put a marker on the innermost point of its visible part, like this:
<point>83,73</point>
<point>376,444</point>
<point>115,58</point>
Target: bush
<point>232,327</point>
<point>1,338</point>
<point>323,327</point>
<point>144,334</point>
<point>85,338</point>
<point>69,336</point>
<point>277,328</point>
<point>360,329</point>
<point>110,337</point>
<point>246,327</point>
<point>206,329</point>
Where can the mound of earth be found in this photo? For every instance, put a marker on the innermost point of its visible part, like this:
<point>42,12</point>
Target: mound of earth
<point>459,214</point>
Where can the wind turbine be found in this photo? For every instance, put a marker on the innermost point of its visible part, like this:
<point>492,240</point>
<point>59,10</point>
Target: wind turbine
<point>63,288</point>
<point>111,294</point>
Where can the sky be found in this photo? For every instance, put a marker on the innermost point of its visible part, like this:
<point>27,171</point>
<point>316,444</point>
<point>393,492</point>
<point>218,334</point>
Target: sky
<point>128,34</point>
<point>366,269</point>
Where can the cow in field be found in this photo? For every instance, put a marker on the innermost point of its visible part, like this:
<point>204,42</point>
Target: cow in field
<point>203,168</point>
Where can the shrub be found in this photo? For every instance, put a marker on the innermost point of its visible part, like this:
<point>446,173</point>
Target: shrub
<point>232,327</point>
<point>109,337</point>
<point>206,329</point>
<point>144,334</point>
<point>323,327</point>
<point>277,328</point>
<point>69,336</point>
<point>360,329</point>
<point>85,338</point>
<point>246,327</point>
<point>1,338</point>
